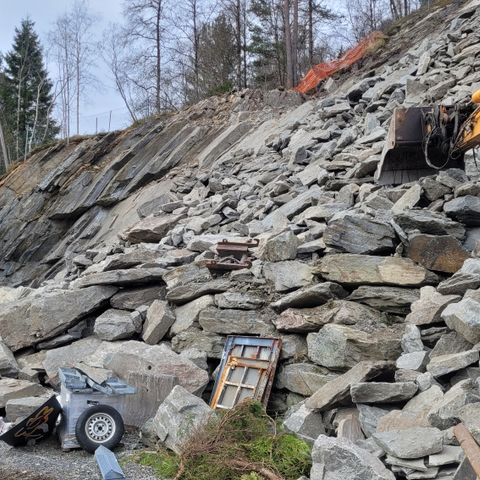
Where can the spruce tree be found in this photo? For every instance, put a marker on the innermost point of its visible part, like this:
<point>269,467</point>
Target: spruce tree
<point>26,94</point>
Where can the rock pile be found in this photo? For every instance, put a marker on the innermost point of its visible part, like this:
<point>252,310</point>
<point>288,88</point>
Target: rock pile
<point>375,291</point>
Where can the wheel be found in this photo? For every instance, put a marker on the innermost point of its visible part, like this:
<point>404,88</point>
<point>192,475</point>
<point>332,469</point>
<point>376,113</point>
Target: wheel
<point>99,425</point>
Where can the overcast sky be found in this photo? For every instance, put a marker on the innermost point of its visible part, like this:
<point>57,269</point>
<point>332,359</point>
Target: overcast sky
<point>44,13</point>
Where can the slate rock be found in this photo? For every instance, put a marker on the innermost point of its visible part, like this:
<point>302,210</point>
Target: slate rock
<point>387,299</point>
<point>382,392</point>
<point>341,346</point>
<point>432,223</point>
<point>132,298</point>
<point>445,364</point>
<point>11,388</point>
<point>187,315</point>
<point>288,275</point>
<point>184,274</point>
<point>20,408</point>
<point>338,389</point>
<point>449,343</point>
<point>151,229</point>
<point>463,318</point>
<point>116,325</point>
<point>464,209</point>
<point>8,365</point>
<point>30,320</point>
<point>410,443</point>
<point>303,378</point>
<point>160,318</point>
<point>193,337</point>
<point>412,339</point>
<point>239,300</point>
<point>369,415</point>
<point>181,294</point>
<point>229,321</point>
<point>351,269</point>
<point>311,296</point>
<point>413,361</point>
<point>138,357</point>
<point>358,233</point>
<point>128,277</point>
<point>279,247</point>
<point>338,459</point>
<point>443,253</point>
<point>304,422</point>
<point>428,309</point>
<point>178,417</point>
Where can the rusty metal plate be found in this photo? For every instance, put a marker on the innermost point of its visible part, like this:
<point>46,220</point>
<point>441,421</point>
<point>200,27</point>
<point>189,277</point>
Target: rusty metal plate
<point>246,371</point>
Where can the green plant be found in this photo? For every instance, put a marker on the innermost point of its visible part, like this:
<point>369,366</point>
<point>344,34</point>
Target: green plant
<point>239,444</point>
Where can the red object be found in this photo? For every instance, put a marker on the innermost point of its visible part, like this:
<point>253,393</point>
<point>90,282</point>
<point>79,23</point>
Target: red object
<point>324,70</point>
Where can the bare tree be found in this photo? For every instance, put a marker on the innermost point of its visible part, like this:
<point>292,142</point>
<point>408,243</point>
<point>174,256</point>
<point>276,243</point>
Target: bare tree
<point>288,42</point>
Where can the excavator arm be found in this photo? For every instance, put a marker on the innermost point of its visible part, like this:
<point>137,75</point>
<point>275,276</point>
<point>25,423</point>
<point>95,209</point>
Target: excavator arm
<point>422,140</point>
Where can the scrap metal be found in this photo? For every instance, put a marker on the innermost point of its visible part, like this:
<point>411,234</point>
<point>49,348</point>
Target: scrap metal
<point>232,255</point>
<point>469,446</point>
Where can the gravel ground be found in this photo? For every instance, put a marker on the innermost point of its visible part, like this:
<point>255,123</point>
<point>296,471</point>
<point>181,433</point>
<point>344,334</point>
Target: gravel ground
<point>46,461</point>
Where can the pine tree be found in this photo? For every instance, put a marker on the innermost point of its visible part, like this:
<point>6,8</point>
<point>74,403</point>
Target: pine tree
<point>26,94</point>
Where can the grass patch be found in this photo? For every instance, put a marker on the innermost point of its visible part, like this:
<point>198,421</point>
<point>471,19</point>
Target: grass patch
<point>239,444</point>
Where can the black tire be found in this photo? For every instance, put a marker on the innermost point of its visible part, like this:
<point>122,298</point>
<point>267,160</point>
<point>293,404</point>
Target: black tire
<point>99,425</point>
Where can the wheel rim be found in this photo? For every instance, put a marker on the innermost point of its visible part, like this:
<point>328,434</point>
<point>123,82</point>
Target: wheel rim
<point>100,427</point>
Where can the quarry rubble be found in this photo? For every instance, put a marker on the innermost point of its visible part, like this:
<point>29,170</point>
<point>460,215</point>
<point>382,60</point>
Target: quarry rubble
<point>375,291</point>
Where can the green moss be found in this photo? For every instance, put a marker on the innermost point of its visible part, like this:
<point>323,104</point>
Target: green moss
<point>234,445</point>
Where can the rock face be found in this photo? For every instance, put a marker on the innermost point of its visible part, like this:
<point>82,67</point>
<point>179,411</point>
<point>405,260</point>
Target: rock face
<point>335,459</point>
<point>178,416</point>
<point>28,321</point>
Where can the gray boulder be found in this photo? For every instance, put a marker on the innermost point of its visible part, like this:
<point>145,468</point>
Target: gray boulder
<point>239,300</point>
<point>426,221</point>
<point>463,318</point>
<point>464,209</point>
<point>127,277</point>
<point>177,418</point>
<point>186,315</point>
<point>116,325</point>
<point>382,392</point>
<point>160,318</point>
<point>279,247</point>
<point>151,228</point>
<point>11,388</point>
<point>288,275</point>
<point>387,299</point>
<point>132,298</point>
<point>359,233</point>
<point>410,443</point>
<point>304,422</point>
<point>339,459</point>
<point>445,364</point>
<point>30,320</point>
<point>311,296</point>
<point>303,378</point>
<point>8,365</point>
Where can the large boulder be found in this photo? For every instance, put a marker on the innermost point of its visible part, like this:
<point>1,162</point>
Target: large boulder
<point>30,320</point>
<point>117,325</point>
<point>463,318</point>
<point>410,443</point>
<point>338,389</point>
<point>429,307</point>
<point>151,229</point>
<point>387,299</point>
<point>187,315</point>
<point>304,422</point>
<point>358,233</point>
<point>464,209</point>
<point>350,269</point>
<point>157,360</point>
<point>341,347</point>
<point>340,459</point>
<point>229,321</point>
<point>132,298</point>
<point>11,388</point>
<point>303,378</point>
<point>442,253</point>
<point>279,247</point>
<point>310,296</point>
<point>160,318</point>
<point>288,275</point>
<point>432,223</point>
<point>127,277</point>
<point>8,365</point>
<point>445,364</point>
<point>177,418</point>
<point>382,392</point>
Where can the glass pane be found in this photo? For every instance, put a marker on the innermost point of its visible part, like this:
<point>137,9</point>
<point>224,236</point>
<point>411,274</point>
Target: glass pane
<point>252,377</point>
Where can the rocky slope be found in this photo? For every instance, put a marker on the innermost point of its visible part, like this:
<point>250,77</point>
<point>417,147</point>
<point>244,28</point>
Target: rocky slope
<point>374,290</point>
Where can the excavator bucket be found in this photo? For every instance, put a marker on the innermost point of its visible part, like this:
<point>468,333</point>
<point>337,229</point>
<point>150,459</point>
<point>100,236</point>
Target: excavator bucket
<point>403,157</point>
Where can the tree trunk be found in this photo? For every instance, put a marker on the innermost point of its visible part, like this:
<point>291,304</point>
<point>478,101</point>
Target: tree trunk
<point>3,146</point>
<point>244,15</point>
<point>288,42</point>
<point>158,57</point>
<point>196,51</point>
<point>295,43</point>
<point>238,41</point>
<point>310,32</point>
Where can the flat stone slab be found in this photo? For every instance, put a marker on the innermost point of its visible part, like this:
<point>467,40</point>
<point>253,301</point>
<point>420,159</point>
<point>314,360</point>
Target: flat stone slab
<point>463,318</point>
<point>411,443</point>
<point>338,389</point>
<point>11,389</point>
<point>445,364</point>
<point>382,392</point>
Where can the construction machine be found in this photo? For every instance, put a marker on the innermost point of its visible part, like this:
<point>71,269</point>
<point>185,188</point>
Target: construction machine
<point>422,140</point>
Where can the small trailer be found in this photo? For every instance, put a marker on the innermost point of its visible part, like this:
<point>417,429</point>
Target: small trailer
<point>90,414</point>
